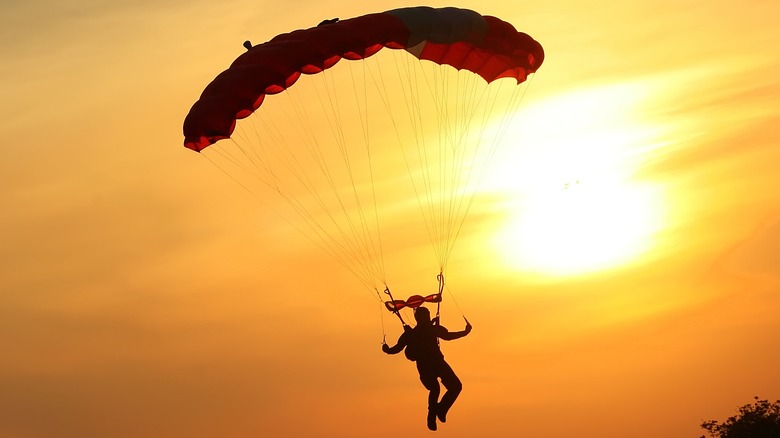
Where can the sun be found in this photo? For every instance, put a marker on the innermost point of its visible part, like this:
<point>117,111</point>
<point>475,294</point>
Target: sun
<point>584,226</point>
<point>573,204</point>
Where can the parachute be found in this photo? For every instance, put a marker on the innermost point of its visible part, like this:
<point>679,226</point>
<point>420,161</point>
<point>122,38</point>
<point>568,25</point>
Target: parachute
<point>286,122</point>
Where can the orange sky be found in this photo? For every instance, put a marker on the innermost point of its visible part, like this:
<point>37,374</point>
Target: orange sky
<point>143,294</point>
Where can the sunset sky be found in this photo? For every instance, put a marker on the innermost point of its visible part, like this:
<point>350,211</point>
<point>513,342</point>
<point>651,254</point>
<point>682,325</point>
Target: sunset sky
<point>620,264</point>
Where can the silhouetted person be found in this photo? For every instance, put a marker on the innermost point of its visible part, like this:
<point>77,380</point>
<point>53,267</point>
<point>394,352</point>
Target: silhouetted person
<point>422,346</point>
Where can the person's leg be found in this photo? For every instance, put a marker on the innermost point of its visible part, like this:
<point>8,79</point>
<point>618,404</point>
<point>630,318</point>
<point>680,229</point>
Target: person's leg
<point>431,383</point>
<point>453,386</point>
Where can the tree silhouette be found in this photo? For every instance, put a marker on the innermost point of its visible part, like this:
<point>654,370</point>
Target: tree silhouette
<point>755,420</point>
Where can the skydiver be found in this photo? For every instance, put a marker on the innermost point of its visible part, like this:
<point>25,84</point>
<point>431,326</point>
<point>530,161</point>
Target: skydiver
<point>422,346</point>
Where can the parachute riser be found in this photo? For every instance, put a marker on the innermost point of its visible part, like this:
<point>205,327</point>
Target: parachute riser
<point>440,278</point>
<point>394,310</point>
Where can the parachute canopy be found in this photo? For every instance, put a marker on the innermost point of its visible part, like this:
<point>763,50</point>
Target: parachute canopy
<point>343,153</point>
<point>464,39</point>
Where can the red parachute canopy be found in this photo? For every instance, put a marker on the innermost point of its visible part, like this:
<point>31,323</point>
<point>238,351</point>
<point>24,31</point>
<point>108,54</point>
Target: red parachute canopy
<point>464,39</point>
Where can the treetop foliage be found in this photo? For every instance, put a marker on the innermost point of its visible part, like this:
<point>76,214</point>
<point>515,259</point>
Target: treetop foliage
<point>760,419</point>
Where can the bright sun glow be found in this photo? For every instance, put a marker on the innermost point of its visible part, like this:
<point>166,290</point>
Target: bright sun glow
<point>575,205</point>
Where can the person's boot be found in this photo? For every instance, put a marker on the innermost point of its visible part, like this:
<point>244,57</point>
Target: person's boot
<point>431,419</point>
<point>441,413</point>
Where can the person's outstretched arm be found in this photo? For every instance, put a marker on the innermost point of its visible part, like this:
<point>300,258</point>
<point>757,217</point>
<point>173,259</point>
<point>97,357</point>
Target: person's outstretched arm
<point>449,336</point>
<point>397,348</point>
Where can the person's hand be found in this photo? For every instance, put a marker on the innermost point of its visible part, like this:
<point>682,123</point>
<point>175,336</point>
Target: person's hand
<point>468,327</point>
<point>385,348</point>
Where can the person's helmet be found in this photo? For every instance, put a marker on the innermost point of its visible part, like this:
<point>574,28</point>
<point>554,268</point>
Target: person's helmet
<point>422,315</point>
